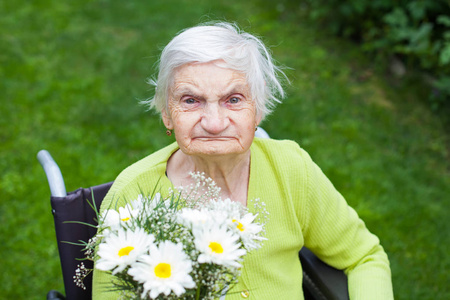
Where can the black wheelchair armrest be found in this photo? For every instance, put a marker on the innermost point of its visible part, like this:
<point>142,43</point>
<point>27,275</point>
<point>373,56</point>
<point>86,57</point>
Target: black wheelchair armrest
<point>320,281</point>
<point>55,295</point>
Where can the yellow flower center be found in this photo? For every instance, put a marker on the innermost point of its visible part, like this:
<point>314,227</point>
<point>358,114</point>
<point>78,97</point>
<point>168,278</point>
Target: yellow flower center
<point>239,225</point>
<point>215,247</point>
<point>125,251</point>
<point>162,270</point>
<point>125,219</point>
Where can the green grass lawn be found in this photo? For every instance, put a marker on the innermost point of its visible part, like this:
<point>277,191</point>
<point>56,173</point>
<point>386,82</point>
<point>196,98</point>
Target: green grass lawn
<point>72,73</point>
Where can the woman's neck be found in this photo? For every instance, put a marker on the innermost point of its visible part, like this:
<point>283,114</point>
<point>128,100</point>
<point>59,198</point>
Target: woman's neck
<point>231,173</point>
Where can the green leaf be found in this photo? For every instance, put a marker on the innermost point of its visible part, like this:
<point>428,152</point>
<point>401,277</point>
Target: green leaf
<point>397,18</point>
<point>444,57</point>
<point>417,10</point>
<point>443,83</point>
<point>420,39</point>
<point>444,20</point>
<point>447,35</point>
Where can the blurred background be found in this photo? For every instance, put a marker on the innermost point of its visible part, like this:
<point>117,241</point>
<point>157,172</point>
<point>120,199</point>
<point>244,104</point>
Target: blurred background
<point>368,99</point>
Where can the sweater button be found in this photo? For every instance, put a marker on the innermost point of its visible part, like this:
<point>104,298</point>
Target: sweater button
<point>245,294</point>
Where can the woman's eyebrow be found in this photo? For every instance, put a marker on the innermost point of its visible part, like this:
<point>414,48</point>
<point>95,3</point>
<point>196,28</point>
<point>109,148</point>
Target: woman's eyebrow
<point>185,91</point>
<point>237,88</point>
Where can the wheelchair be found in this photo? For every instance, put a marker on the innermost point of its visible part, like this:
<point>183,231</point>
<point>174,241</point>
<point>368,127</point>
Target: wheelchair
<point>320,281</point>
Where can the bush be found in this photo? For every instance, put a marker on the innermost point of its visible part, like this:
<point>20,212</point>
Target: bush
<point>416,31</point>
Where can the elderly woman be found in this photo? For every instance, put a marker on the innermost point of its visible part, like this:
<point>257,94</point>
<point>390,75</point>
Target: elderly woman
<point>215,85</point>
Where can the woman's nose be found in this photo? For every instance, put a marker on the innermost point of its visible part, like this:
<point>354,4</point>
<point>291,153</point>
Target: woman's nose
<point>214,119</point>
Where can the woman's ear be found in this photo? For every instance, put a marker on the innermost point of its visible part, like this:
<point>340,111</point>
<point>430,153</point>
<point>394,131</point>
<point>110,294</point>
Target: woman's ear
<point>258,119</point>
<point>167,119</point>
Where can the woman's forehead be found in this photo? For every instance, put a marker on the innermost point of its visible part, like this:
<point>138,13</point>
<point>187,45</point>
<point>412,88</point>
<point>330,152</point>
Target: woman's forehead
<point>205,76</point>
<point>212,68</point>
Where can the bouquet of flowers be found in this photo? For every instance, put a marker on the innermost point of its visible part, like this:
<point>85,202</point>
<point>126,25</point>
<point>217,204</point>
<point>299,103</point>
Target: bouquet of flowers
<point>189,245</point>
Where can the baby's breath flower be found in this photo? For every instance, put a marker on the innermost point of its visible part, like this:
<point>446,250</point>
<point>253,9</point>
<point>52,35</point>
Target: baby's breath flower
<point>80,273</point>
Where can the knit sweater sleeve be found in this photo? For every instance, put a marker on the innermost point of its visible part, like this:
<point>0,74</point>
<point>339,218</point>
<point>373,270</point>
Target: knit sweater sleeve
<point>336,234</point>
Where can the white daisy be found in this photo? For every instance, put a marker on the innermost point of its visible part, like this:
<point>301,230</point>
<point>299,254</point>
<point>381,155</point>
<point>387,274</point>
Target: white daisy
<point>113,219</point>
<point>110,218</point>
<point>127,213</point>
<point>138,204</point>
<point>191,218</point>
<point>241,222</point>
<point>248,231</point>
<point>165,270</point>
<point>117,252</point>
<point>218,245</point>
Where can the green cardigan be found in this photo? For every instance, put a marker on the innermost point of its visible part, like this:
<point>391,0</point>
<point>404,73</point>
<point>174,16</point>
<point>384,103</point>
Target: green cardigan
<point>304,210</point>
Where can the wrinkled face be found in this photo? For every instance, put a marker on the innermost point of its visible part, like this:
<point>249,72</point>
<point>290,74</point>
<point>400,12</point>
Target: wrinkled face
<point>211,110</point>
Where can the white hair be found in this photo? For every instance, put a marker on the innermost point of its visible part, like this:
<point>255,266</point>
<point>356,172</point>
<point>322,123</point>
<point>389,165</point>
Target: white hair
<point>241,51</point>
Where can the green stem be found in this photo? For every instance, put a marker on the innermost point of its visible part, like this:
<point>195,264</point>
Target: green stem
<point>197,296</point>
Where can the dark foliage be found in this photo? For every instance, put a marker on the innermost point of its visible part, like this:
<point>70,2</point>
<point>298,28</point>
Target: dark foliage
<point>417,32</point>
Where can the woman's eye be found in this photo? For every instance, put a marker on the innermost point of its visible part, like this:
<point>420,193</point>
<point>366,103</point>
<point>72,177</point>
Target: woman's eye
<point>189,101</point>
<point>234,100</point>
